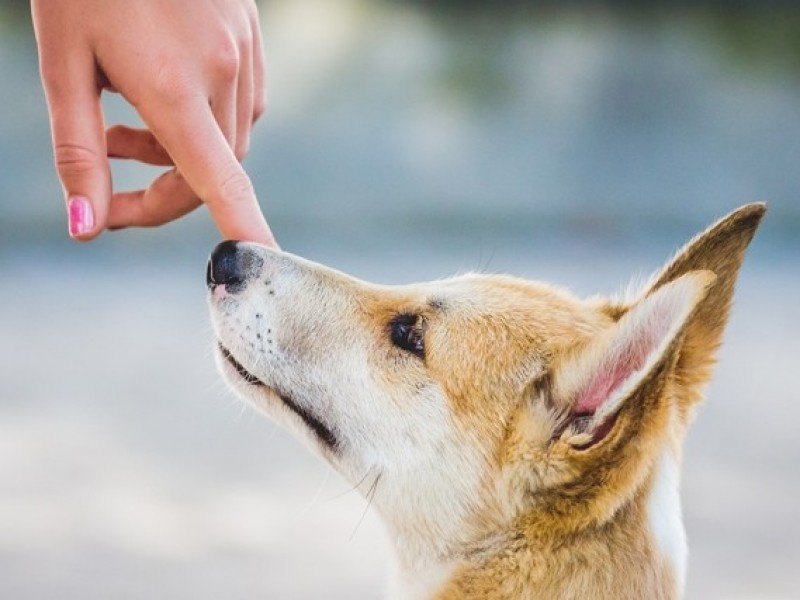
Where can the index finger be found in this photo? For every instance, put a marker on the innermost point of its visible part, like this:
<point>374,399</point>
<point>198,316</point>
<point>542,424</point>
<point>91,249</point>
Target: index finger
<point>192,137</point>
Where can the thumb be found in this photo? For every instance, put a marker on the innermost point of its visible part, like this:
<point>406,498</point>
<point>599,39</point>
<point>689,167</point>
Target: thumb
<point>76,121</point>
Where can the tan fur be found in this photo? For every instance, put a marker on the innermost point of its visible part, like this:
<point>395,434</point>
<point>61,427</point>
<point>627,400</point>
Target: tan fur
<point>494,479</point>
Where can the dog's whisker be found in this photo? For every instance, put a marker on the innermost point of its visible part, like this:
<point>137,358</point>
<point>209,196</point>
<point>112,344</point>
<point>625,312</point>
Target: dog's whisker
<point>370,495</point>
<point>353,488</point>
<point>243,409</point>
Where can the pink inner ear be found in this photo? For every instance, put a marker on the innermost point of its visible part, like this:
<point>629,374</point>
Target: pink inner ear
<point>625,356</point>
<point>600,388</point>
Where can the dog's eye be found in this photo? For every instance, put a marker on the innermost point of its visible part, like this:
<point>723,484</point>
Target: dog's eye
<point>407,333</point>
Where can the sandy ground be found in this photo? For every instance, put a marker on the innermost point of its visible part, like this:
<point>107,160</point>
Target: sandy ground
<point>128,471</point>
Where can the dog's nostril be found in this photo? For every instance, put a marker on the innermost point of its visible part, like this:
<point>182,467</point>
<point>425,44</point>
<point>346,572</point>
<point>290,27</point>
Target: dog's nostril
<point>226,267</point>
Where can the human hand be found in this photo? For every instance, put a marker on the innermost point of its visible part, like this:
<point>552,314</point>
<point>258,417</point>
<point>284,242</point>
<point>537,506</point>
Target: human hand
<point>194,72</point>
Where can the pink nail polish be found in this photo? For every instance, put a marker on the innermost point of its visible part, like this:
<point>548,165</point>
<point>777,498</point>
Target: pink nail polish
<point>81,216</point>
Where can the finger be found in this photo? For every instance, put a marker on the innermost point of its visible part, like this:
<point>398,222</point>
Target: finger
<point>223,93</point>
<point>76,121</point>
<point>259,91</point>
<point>136,144</point>
<point>168,198</point>
<point>244,101</point>
<point>203,156</point>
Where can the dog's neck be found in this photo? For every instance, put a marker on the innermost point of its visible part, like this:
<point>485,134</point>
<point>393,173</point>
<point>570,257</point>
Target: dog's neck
<point>639,553</point>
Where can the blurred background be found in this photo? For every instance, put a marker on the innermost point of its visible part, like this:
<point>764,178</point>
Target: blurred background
<point>577,142</point>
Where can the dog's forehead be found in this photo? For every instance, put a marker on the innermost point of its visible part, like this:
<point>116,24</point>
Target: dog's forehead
<point>515,304</point>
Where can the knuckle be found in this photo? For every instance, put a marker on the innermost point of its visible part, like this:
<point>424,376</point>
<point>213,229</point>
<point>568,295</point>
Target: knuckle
<point>245,43</point>
<point>225,62</point>
<point>234,188</point>
<point>252,9</point>
<point>75,159</point>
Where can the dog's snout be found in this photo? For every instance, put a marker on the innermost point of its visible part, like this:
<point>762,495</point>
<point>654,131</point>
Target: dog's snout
<point>231,264</point>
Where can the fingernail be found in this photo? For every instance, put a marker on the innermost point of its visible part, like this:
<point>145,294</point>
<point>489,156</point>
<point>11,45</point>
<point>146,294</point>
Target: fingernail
<point>81,216</point>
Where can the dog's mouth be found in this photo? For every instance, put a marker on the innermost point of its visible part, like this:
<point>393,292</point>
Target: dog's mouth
<point>243,373</point>
<point>322,431</point>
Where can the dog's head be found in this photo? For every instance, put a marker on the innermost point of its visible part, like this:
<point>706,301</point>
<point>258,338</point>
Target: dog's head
<point>467,404</point>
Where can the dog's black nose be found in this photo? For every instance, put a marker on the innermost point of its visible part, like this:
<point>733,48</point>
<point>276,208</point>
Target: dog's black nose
<point>223,267</point>
<point>230,264</point>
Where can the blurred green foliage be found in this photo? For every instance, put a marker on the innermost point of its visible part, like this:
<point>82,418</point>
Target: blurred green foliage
<point>15,18</point>
<point>758,34</point>
<point>21,7</point>
<point>766,37</point>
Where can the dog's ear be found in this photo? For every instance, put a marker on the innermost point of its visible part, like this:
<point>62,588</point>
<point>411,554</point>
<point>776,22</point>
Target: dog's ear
<point>720,249</point>
<point>594,381</point>
<point>676,322</point>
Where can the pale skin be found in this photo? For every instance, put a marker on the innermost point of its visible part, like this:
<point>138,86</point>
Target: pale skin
<point>193,70</point>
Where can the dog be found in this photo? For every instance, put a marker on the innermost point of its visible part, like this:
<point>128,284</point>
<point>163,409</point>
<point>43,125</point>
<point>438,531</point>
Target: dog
<point>517,441</point>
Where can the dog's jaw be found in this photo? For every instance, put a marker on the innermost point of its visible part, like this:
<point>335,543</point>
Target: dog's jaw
<point>322,431</point>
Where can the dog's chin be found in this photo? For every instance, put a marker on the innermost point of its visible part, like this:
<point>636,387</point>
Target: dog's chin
<point>240,375</point>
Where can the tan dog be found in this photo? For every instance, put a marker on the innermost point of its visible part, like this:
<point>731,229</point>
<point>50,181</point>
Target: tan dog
<point>518,442</point>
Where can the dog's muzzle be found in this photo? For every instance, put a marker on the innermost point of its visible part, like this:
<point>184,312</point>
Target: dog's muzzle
<point>232,264</point>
